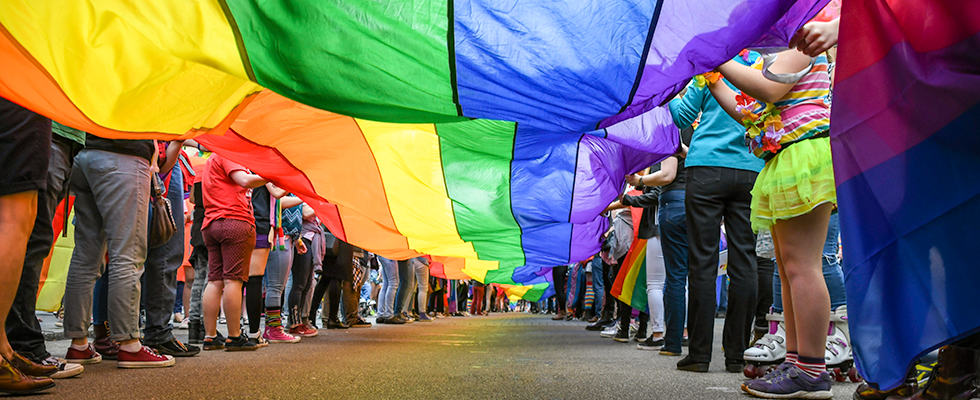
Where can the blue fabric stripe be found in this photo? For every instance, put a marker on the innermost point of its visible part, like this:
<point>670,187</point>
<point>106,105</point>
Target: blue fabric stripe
<point>542,176</point>
<point>541,64</point>
<point>911,264</point>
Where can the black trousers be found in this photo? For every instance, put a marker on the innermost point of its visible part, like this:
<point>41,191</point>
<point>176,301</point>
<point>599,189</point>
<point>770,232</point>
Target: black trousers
<point>714,193</point>
<point>559,276</point>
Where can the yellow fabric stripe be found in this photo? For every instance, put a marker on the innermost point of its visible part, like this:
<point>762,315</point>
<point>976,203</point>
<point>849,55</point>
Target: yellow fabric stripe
<point>478,268</point>
<point>124,63</point>
<point>411,168</point>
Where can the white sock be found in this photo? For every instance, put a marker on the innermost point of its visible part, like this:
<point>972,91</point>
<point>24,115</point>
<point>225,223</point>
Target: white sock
<point>79,347</point>
<point>131,347</point>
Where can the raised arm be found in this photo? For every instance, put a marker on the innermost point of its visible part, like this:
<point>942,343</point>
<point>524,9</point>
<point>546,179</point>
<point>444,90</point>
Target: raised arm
<point>751,82</point>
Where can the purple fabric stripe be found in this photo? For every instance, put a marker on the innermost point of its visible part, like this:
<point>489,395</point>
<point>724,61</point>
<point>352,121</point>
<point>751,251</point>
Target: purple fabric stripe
<point>609,154</point>
<point>872,126</point>
<point>690,41</point>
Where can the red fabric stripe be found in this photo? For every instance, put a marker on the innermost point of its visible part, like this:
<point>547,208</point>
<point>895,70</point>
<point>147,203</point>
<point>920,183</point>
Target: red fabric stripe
<point>928,25</point>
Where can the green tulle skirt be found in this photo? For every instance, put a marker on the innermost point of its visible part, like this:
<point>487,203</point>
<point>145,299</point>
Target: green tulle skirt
<point>797,180</point>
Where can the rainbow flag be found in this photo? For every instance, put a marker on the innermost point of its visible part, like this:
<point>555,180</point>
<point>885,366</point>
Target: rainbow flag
<point>905,118</point>
<point>630,286</point>
<point>504,130</point>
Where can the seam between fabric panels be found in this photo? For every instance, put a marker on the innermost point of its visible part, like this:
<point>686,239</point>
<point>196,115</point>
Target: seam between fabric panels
<point>445,184</point>
<point>451,47</point>
<point>643,58</point>
<point>239,41</point>
<point>381,177</point>
<point>510,189</point>
<point>571,201</point>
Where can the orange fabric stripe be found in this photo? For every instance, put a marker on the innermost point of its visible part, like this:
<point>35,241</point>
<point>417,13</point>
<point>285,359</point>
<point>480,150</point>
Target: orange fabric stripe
<point>26,82</point>
<point>330,148</point>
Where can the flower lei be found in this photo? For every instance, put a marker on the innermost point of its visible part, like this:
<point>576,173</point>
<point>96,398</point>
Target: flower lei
<point>762,130</point>
<point>706,79</point>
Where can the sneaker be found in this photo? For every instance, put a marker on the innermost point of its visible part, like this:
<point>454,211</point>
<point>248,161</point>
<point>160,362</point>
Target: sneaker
<point>258,341</point>
<point>425,318</point>
<point>302,331</point>
<point>87,356</point>
<point>650,344</point>
<point>65,369</point>
<point>791,383</point>
<point>240,343</point>
<point>610,332</point>
<point>396,320</point>
<point>215,343</point>
<point>184,323</point>
<point>177,349</point>
<point>144,358</point>
<point>622,337</point>
<point>276,334</point>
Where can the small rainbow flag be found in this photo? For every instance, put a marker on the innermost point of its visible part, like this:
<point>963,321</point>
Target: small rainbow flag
<point>630,286</point>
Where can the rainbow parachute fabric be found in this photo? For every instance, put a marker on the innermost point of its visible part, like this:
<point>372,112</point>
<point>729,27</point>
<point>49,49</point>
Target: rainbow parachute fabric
<point>905,162</point>
<point>491,133</point>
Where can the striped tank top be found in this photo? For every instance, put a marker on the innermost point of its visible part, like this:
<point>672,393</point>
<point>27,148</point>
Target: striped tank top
<point>805,109</point>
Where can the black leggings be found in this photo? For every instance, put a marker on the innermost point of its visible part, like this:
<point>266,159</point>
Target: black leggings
<point>318,292</point>
<point>302,278</point>
<point>253,302</point>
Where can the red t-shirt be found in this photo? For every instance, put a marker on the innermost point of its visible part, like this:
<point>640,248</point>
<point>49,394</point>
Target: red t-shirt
<point>223,198</point>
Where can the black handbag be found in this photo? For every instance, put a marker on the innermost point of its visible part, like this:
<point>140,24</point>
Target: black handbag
<point>162,226</point>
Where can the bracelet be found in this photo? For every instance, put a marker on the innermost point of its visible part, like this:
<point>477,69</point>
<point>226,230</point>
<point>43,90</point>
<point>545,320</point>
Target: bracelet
<point>641,186</point>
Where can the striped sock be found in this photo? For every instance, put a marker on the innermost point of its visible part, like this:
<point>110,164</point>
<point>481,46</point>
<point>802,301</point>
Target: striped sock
<point>812,366</point>
<point>792,356</point>
<point>273,316</point>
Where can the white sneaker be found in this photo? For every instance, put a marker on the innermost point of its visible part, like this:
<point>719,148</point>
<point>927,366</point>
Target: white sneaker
<point>610,331</point>
<point>183,323</point>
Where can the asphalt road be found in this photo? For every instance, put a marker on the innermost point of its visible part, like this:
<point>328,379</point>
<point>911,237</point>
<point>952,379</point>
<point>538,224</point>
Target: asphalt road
<point>503,356</point>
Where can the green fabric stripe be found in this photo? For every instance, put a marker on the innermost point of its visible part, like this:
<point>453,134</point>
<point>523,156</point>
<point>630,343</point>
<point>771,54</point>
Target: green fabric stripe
<point>640,300</point>
<point>476,157</point>
<point>306,50</point>
<point>501,276</point>
<point>536,291</point>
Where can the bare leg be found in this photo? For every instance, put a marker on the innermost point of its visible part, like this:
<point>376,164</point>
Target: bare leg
<point>806,301</point>
<point>231,302</point>
<point>17,213</point>
<point>211,302</point>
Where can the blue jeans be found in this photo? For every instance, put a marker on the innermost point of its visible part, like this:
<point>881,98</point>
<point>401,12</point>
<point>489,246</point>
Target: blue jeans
<point>673,238</point>
<point>832,273</point>
<point>276,272</point>
<point>389,287</point>
<point>598,286</point>
<point>112,196</point>
<point>406,287</point>
<point>160,273</point>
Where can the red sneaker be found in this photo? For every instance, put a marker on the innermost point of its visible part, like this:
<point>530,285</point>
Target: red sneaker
<point>302,330</point>
<point>275,334</point>
<point>144,358</point>
<point>87,356</point>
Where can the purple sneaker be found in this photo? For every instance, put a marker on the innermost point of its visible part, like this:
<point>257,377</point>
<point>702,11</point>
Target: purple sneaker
<point>772,373</point>
<point>791,383</point>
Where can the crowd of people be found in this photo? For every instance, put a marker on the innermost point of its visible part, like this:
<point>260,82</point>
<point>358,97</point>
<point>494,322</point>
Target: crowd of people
<point>755,166</point>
